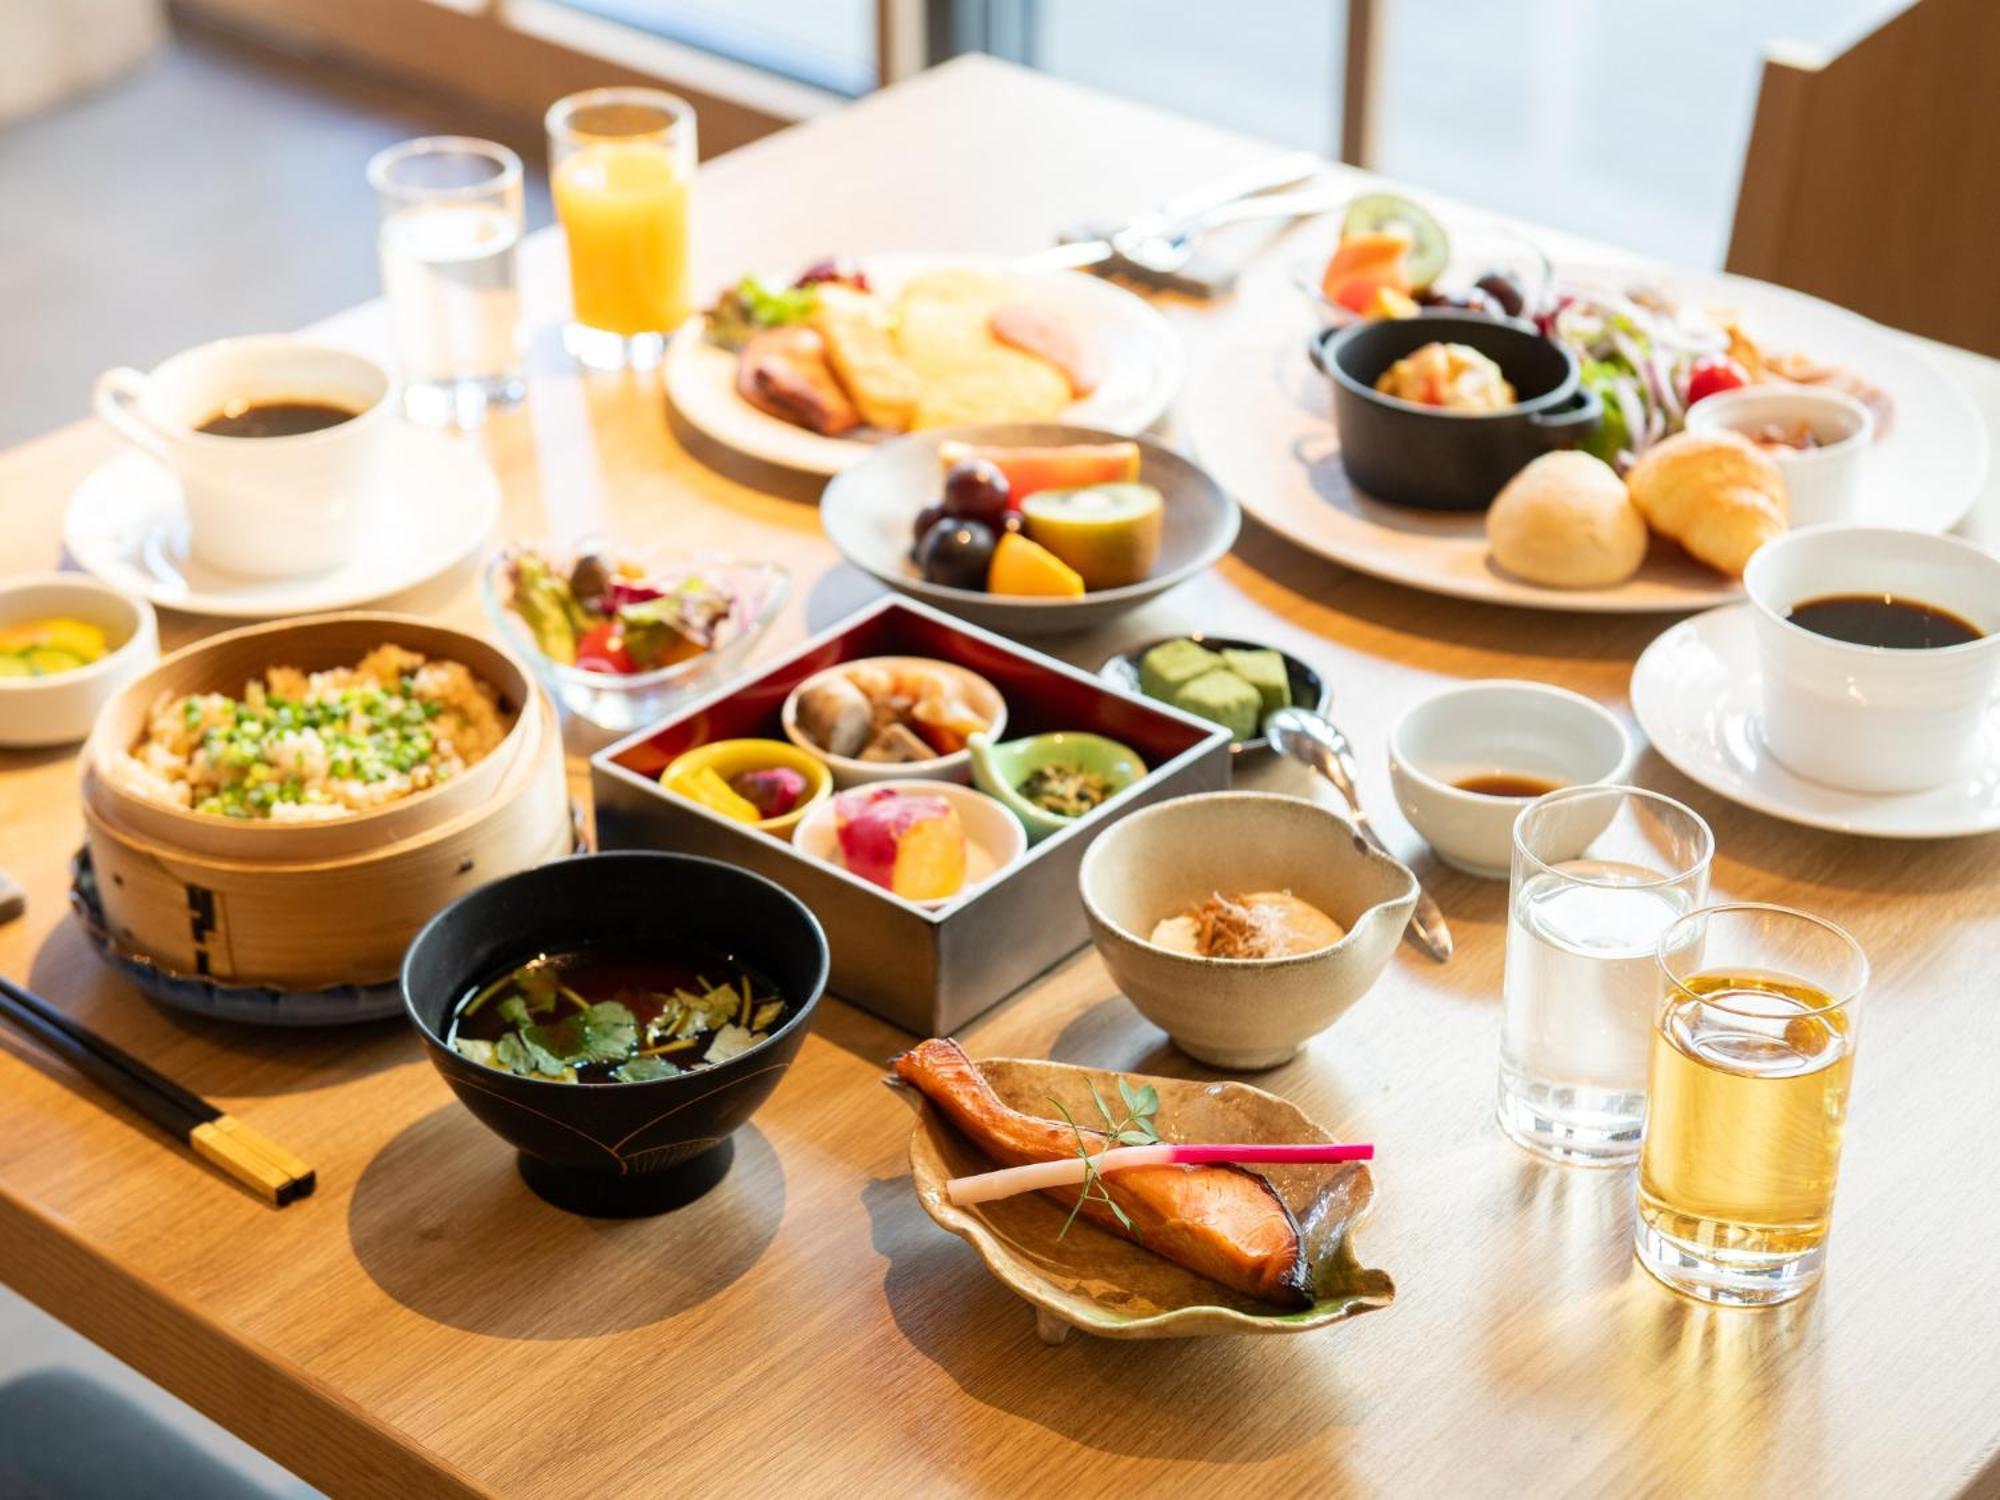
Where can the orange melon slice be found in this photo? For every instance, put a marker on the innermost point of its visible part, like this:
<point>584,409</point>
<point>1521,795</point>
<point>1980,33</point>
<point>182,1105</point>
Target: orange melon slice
<point>1069,467</point>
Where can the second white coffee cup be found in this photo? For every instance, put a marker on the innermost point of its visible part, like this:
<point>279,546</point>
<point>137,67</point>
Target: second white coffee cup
<point>262,507</point>
<point>1873,718</point>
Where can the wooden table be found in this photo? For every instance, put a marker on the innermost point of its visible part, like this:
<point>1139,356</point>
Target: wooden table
<point>425,1326</point>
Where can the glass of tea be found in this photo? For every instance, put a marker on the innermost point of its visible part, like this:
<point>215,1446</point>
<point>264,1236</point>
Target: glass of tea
<point>622,163</point>
<point>1599,874</point>
<point>1752,1057</point>
<point>450,221</point>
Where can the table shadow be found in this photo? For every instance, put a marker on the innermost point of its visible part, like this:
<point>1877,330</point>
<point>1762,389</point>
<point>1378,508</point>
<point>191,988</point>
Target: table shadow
<point>837,593</point>
<point>1820,859</point>
<point>1223,1400</point>
<point>441,1221</point>
<point>231,1060</point>
<point>1372,605</point>
<point>753,473</point>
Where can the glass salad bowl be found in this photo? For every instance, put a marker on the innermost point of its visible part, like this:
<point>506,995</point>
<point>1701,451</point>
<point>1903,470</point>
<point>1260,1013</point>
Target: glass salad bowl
<point>642,632</point>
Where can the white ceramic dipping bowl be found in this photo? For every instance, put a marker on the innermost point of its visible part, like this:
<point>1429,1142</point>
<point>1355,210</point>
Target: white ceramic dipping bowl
<point>994,838</point>
<point>1496,728</point>
<point>60,708</point>
<point>1239,1013</point>
<point>980,694</point>
<point>1822,484</point>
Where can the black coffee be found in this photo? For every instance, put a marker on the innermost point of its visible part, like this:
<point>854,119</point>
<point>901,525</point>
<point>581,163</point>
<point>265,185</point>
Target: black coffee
<point>268,419</point>
<point>1883,620</point>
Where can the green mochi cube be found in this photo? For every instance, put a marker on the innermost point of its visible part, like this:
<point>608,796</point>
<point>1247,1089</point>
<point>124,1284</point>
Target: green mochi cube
<point>1264,671</point>
<point>1226,699</point>
<point>1171,665</point>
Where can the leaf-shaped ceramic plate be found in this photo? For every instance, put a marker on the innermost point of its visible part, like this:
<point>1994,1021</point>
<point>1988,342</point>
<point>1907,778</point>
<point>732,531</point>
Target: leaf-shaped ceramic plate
<point>1108,1286</point>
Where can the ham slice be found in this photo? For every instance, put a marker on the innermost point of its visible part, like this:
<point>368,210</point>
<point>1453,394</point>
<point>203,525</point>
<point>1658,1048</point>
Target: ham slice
<point>1037,331</point>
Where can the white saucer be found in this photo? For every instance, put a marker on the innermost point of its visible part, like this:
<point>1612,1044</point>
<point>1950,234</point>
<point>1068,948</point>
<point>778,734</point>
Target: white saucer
<point>126,524</point>
<point>1696,692</point>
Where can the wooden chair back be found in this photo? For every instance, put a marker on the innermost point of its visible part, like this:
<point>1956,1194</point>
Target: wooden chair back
<point>1871,178</point>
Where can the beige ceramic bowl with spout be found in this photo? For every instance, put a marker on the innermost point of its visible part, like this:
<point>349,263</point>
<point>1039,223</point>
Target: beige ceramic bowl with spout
<point>1229,1012</point>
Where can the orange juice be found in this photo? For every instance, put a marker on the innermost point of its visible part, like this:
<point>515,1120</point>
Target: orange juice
<point>624,208</point>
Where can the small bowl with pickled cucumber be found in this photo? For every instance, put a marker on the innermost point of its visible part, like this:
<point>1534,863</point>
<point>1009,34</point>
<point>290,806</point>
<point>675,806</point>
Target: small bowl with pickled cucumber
<point>67,645</point>
<point>1235,683</point>
<point>1049,781</point>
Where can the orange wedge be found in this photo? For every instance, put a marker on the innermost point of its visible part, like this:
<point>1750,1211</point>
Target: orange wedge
<point>1364,265</point>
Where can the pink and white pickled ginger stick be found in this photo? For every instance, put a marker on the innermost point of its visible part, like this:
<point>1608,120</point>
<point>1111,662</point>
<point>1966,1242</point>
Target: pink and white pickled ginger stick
<point>1069,1170</point>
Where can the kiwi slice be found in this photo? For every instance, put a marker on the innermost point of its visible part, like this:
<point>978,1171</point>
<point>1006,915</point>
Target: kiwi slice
<point>1377,213</point>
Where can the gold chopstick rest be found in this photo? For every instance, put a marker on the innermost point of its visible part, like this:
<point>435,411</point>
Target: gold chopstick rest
<point>274,1172</point>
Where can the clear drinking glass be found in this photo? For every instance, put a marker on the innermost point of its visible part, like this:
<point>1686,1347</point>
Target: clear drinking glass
<point>623,164</point>
<point>450,220</point>
<point>1752,1055</point>
<point>1600,872</point>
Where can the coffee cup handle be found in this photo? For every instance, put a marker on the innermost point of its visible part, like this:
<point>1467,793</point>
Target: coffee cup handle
<point>116,397</point>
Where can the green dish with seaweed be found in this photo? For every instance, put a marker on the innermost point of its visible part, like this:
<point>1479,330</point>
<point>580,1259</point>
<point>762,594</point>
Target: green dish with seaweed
<point>1048,781</point>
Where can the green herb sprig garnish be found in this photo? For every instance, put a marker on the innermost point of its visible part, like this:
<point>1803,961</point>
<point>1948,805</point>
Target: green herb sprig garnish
<point>1134,1128</point>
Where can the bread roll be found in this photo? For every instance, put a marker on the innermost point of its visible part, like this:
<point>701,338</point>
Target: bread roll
<point>1565,522</point>
<point>1716,493</point>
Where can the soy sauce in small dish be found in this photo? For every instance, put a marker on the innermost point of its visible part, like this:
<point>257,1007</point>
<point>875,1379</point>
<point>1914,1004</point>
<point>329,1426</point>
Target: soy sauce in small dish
<point>269,419</point>
<point>1507,784</point>
<point>1885,620</point>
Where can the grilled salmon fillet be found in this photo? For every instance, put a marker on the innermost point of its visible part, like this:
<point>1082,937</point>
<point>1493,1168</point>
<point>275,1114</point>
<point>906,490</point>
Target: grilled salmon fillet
<point>1228,1224</point>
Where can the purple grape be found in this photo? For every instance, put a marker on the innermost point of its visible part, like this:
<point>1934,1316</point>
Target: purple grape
<point>976,490</point>
<point>956,554</point>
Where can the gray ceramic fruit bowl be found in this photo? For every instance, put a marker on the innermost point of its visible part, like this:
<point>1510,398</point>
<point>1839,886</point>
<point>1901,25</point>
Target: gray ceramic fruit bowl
<point>1241,1014</point>
<point>867,511</point>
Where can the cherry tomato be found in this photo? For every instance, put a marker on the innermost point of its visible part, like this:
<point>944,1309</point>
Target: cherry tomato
<point>602,649</point>
<point>1713,373</point>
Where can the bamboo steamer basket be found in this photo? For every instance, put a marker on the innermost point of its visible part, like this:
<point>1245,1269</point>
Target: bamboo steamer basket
<point>224,663</point>
<point>315,904</point>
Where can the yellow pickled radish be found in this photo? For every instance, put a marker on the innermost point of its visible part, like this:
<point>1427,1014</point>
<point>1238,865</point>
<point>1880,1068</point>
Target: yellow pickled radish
<point>706,786</point>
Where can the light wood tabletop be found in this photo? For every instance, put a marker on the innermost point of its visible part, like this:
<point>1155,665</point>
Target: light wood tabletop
<point>424,1325</point>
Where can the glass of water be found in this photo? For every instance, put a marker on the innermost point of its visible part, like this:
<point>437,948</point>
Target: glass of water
<point>450,222</point>
<point>1600,872</point>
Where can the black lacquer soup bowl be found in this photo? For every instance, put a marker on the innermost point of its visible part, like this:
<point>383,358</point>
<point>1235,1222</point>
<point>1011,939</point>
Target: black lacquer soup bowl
<point>619,1150</point>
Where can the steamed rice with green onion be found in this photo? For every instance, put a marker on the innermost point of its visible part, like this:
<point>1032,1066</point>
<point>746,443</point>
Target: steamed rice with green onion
<point>303,747</point>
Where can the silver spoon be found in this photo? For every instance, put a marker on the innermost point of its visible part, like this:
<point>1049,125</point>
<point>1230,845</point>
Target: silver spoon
<point>1314,741</point>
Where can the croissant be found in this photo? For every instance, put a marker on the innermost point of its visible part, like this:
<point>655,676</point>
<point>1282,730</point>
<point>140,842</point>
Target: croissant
<point>1718,494</point>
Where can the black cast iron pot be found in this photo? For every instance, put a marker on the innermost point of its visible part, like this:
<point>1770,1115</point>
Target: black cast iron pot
<point>1443,460</point>
<point>618,1150</point>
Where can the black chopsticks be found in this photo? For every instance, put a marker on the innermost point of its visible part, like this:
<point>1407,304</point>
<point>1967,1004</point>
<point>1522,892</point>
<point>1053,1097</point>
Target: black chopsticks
<point>268,1169</point>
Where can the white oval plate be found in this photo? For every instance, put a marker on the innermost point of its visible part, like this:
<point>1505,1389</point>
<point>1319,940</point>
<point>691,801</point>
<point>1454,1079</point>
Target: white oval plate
<point>1141,356</point>
<point>126,524</point>
<point>1696,692</point>
<point>1258,417</point>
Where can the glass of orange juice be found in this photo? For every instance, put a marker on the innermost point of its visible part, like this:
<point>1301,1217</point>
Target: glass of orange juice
<point>622,167</point>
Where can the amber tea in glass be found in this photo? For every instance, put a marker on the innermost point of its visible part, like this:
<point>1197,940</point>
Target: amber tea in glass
<point>1751,1062</point>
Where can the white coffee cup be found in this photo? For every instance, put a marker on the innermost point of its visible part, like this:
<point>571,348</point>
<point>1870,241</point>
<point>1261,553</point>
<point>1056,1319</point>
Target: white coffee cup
<point>262,507</point>
<point>1873,718</point>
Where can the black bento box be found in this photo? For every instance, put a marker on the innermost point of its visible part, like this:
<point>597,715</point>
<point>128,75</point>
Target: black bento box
<point>928,970</point>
